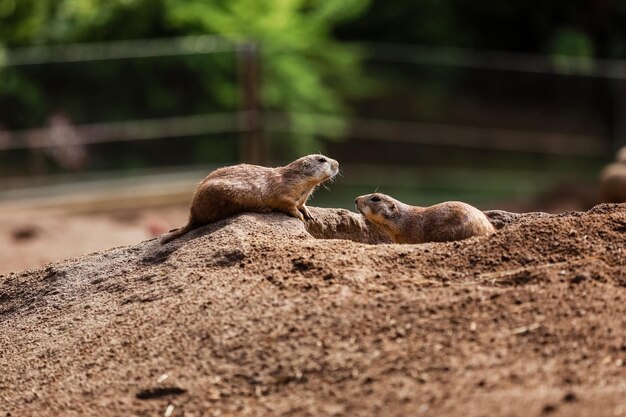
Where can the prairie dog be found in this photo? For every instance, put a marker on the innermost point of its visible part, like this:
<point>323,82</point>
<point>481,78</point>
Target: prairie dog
<point>613,180</point>
<point>244,187</point>
<point>452,220</point>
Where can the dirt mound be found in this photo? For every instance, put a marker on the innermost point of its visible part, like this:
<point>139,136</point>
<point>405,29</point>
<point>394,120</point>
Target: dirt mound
<point>254,316</point>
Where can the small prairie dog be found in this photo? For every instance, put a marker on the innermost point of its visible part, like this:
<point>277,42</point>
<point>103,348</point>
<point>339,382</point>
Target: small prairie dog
<point>613,180</point>
<point>240,188</point>
<point>444,222</point>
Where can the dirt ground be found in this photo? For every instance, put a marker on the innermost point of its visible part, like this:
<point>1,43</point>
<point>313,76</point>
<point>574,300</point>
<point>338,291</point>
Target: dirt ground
<point>35,237</point>
<point>252,316</point>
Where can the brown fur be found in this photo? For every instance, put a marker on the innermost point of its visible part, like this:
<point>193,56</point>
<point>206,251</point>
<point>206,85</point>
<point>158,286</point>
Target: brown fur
<point>613,180</point>
<point>245,187</point>
<point>452,220</point>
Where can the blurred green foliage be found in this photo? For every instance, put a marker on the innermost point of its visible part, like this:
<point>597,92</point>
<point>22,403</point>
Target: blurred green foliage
<point>568,43</point>
<point>305,70</point>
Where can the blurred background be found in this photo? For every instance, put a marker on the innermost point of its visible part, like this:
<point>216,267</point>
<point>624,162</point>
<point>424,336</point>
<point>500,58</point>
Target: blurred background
<point>111,111</point>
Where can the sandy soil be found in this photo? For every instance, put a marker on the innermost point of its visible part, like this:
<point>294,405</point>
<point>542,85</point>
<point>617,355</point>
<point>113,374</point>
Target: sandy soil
<point>253,316</point>
<point>34,237</point>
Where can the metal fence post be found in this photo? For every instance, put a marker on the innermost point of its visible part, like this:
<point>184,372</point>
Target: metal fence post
<point>618,119</point>
<point>251,147</point>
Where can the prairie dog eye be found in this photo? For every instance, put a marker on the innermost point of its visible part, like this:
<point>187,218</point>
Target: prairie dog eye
<point>322,160</point>
<point>375,199</point>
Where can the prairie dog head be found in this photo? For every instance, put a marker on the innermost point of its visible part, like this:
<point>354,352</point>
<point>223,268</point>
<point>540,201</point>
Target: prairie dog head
<point>378,208</point>
<point>317,167</point>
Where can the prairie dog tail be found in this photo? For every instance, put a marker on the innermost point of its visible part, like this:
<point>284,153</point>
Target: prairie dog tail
<point>176,233</point>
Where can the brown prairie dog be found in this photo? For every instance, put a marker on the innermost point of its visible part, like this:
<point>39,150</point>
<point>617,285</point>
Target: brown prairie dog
<point>240,188</point>
<point>613,180</point>
<point>452,220</point>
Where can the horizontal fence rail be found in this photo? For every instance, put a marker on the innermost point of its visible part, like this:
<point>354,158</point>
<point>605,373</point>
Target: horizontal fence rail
<point>464,136</point>
<point>442,134</point>
<point>130,49</point>
<point>375,51</point>
<point>124,131</point>
<point>497,60</point>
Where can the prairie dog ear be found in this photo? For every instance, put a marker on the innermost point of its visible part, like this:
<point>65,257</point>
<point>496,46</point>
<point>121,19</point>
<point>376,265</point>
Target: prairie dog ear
<point>391,206</point>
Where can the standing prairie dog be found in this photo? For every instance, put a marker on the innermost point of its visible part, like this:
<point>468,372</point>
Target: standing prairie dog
<point>442,222</point>
<point>613,180</point>
<point>255,188</point>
